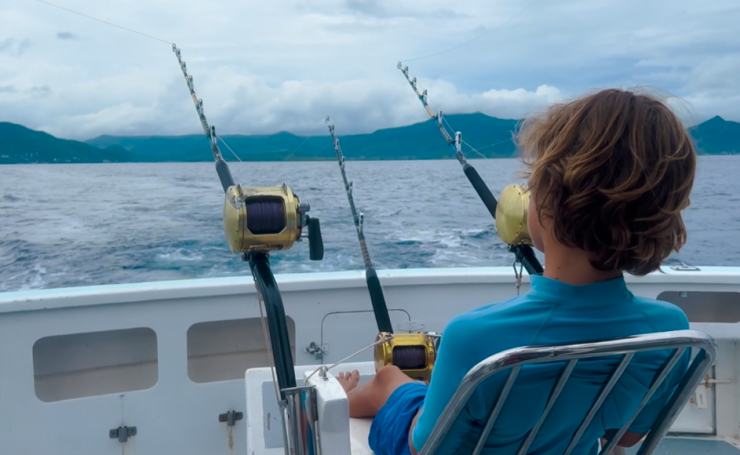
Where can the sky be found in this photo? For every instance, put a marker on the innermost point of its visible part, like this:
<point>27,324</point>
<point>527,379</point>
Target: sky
<point>284,65</point>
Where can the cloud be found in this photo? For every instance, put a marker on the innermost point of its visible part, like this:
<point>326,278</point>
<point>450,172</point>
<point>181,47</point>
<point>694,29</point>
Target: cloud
<point>7,89</point>
<point>368,7</point>
<point>262,67</point>
<point>40,90</point>
<point>67,36</point>
<point>389,10</point>
<point>14,46</point>
<point>252,106</point>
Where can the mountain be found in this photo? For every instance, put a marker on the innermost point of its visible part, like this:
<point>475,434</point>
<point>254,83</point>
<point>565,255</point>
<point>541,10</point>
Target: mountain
<point>19,144</point>
<point>491,136</point>
<point>717,136</point>
<point>417,141</point>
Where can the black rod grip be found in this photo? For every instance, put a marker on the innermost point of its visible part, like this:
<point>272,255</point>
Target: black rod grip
<point>480,187</point>
<point>224,174</point>
<point>276,321</point>
<point>377,298</point>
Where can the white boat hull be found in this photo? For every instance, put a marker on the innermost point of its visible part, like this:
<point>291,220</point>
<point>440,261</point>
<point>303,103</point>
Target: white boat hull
<point>169,357</point>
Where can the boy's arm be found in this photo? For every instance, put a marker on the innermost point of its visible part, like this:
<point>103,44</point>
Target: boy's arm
<point>454,360</point>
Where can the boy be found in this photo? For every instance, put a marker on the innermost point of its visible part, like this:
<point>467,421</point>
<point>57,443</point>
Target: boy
<point>609,175</point>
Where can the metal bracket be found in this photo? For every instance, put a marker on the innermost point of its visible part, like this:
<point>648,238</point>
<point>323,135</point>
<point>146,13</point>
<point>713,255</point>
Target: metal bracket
<point>230,417</point>
<point>122,433</point>
<point>708,381</point>
<point>317,350</point>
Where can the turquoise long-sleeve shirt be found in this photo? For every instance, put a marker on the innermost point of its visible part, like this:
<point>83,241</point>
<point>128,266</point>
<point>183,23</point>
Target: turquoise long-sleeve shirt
<point>551,313</point>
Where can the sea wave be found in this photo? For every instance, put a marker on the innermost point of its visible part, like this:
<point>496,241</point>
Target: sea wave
<point>163,221</point>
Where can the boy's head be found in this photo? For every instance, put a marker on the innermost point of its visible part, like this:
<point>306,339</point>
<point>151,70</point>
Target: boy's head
<point>610,174</point>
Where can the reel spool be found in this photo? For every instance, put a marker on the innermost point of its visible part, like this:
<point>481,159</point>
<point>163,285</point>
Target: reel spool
<point>268,219</point>
<point>511,215</point>
<point>413,353</point>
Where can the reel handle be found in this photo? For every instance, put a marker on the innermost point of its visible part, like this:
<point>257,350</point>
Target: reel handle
<point>315,241</point>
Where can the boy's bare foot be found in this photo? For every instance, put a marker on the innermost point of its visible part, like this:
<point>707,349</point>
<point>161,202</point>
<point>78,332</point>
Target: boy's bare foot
<point>349,380</point>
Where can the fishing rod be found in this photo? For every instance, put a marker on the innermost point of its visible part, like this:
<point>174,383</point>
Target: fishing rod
<point>413,353</point>
<point>224,174</point>
<point>377,297</point>
<point>510,218</point>
<point>258,220</point>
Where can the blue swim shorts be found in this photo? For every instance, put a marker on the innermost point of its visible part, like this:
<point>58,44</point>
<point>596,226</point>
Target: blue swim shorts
<point>389,432</point>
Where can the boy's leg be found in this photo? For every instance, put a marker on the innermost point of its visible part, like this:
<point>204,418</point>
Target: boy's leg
<point>367,399</point>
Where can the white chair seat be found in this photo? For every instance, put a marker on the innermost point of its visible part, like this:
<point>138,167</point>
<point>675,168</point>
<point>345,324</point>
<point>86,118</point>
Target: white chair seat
<point>359,429</point>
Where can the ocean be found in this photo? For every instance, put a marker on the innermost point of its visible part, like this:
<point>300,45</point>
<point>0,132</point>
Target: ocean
<point>68,225</point>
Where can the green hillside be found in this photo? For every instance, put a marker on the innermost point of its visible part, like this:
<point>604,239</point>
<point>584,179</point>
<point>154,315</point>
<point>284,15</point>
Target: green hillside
<point>491,136</point>
<point>417,141</point>
<point>19,144</point>
<point>717,136</point>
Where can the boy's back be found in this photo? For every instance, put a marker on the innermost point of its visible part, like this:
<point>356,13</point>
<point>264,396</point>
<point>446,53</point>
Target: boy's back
<point>609,175</point>
<point>551,313</point>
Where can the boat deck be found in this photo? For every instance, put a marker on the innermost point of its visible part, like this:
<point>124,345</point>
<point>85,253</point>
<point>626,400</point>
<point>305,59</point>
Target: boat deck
<point>360,428</point>
<point>690,446</point>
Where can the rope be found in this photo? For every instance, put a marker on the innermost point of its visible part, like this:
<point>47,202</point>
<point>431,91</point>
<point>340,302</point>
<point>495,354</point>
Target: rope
<point>474,39</point>
<point>381,341</point>
<point>105,22</point>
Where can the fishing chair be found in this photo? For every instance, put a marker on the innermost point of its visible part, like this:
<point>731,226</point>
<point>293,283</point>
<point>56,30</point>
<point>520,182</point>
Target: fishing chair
<point>514,359</point>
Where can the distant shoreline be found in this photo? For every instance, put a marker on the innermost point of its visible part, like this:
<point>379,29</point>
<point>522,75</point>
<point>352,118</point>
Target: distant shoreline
<point>327,160</point>
<point>492,137</point>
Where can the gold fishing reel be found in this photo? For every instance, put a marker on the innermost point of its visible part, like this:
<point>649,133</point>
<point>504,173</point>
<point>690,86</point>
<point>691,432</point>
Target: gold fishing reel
<point>413,353</point>
<point>268,219</point>
<point>511,215</point>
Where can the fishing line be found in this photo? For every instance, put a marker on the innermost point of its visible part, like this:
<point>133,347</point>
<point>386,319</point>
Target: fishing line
<point>227,146</point>
<point>444,119</point>
<point>474,39</point>
<point>475,150</point>
<point>105,22</point>
<point>296,149</point>
<point>495,144</point>
<point>380,341</point>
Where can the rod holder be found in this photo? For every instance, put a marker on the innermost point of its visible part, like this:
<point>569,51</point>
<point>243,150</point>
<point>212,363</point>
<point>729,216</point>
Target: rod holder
<point>302,421</point>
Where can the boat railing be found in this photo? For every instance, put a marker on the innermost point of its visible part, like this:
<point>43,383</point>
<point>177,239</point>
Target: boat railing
<point>678,342</point>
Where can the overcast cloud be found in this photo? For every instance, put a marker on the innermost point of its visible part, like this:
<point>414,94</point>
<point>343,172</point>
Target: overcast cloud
<point>263,67</point>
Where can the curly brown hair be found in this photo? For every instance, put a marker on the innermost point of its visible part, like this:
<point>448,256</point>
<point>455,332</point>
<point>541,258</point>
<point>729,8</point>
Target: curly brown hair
<point>612,171</point>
